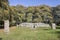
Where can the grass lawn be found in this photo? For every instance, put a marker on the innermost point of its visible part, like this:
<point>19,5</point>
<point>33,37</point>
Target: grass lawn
<point>30,34</point>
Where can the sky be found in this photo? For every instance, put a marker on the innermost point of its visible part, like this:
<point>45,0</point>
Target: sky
<point>34,2</point>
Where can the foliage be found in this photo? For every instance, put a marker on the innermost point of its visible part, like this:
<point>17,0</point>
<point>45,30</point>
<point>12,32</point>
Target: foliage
<point>19,13</point>
<point>5,9</point>
<point>56,14</point>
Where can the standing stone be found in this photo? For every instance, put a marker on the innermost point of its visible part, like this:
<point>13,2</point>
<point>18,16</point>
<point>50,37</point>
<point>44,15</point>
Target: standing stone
<point>6,26</point>
<point>53,26</point>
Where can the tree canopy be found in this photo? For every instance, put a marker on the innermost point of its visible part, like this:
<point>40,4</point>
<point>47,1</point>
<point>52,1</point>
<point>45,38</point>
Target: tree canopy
<point>20,13</point>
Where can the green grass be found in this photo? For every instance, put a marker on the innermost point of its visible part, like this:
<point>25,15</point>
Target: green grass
<point>31,34</point>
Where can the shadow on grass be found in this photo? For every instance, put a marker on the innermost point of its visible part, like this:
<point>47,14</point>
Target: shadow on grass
<point>58,33</point>
<point>58,27</point>
<point>0,38</point>
<point>47,29</point>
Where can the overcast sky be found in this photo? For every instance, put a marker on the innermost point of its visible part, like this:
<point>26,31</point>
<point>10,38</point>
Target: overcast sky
<point>34,2</point>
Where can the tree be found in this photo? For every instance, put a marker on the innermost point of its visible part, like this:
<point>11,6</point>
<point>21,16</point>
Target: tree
<point>56,14</point>
<point>29,13</point>
<point>21,12</point>
<point>5,9</point>
<point>46,13</point>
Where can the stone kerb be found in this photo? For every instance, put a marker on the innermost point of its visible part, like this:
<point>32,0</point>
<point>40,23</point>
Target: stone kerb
<point>34,24</point>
